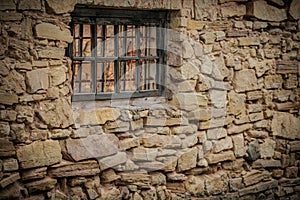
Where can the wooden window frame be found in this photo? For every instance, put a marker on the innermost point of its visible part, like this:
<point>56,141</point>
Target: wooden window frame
<point>118,18</point>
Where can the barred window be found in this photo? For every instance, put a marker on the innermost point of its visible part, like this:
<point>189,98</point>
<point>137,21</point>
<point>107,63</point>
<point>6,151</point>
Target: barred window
<point>117,53</point>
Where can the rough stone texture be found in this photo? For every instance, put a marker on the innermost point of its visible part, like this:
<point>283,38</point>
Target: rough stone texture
<point>223,156</point>
<point>7,5</point>
<point>285,125</point>
<point>112,161</point>
<point>238,145</point>
<point>187,160</point>
<point>71,169</point>
<point>233,9</point>
<point>45,184</point>
<point>37,80</point>
<point>258,9</point>
<point>39,154</point>
<point>94,146</point>
<point>52,32</point>
<point>195,185</point>
<point>59,7</point>
<point>55,113</point>
<point>30,5</point>
<point>245,80</point>
<point>295,9</point>
<point>100,116</point>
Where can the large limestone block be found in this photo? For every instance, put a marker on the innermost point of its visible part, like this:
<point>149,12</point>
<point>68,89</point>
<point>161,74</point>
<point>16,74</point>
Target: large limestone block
<point>52,32</point>
<point>7,5</point>
<point>245,80</point>
<point>220,157</point>
<point>238,145</point>
<point>187,160</point>
<point>262,10</point>
<point>233,9</point>
<point>51,52</point>
<point>286,125</point>
<point>37,80</point>
<point>60,7</point>
<point>56,113</point>
<point>295,9</point>
<point>39,154</point>
<point>236,103</point>
<point>189,101</point>
<point>100,116</point>
<point>94,146</point>
<point>30,5</point>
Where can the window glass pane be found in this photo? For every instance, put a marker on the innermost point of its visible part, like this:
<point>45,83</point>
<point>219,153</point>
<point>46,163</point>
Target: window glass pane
<point>83,77</point>
<point>109,40</point>
<point>100,40</point>
<point>86,40</point>
<point>127,75</point>
<point>76,43</point>
<point>148,41</point>
<point>148,75</point>
<point>127,40</point>
<point>105,77</point>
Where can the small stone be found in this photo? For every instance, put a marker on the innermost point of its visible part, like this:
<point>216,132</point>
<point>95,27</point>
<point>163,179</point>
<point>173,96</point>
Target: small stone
<point>223,144</point>
<point>144,154</point>
<point>187,50</point>
<point>294,9</point>
<point>291,172</point>
<point>216,184</point>
<point>9,180</point>
<point>195,185</point>
<point>51,52</point>
<point>220,157</point>
<point>32,174</point>
<point>248,41</point>
<point>6,148</point>
<point>8,99</point>
<point>253,151</point>
<point>57,75</point>
<point>273,81</point>
<point>208,37</point>
<point>267,148</point>
<point>109,176</point>
<point>216,133</point>
<point>238,145</point>
<point>7,5</point>
<point>10,164</point>
<point>236,103</point>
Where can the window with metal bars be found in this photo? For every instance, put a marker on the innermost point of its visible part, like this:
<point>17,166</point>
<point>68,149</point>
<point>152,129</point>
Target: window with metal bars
<point>117,53</point>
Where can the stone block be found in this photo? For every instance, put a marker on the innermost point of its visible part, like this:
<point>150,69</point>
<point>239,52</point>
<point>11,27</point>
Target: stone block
<point>39,154</point>
<point>129,143</point>
<point>170,163</point>
<point>212,123</point>
<point>223,144</point>
<point>189,101</point>
<point>260,163</point>
<point>255,176</point>
<point>262,10</point>
<point>233,9</point>
<point>5,16</point>
<point>267,148</point>
<point>216,133</point>
<point>285,125</point>
<point>58,75</point>
<point>42,185</point>
<point>100,116</point>
<point>144,154</point>
<point>187,160</point>
<point>208,37</point>
<point>59,7</point>
<point>53,32</point>
<point>195,185</point>
<point>93,146</point>
<point>249,41</point>
<point>294,9</point>
<point>220,157</point>
<point>10,164</point>
<point>112,161</point>
<point>273,81</point>
<point>30,5</point>
<point>151,166</point>
<point>109,175</point>
<point>195,25</point>
<point>8,99</point>
<point>32,174</point>
<point>9,180</point>
<point>73,169</point>
<point>37,80</point>
<point>51,52</point>
<point>245,80</point>
<point>7,5</point>
<point>259,187</point>
<point>191,129</point>
<point>238,145</point>
<point>55,114</point>
<point>216,184</point>
<point>6,148</point>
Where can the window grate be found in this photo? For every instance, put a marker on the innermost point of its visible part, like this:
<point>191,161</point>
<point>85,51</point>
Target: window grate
<point>117,57</point>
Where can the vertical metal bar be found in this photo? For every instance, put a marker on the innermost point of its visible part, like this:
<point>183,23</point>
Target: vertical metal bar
<point>80,54</point>
<point>159,52</point>
<point>116,62</point>
<point>125,52</point>
<point>163,56</point>
<point>103,27</point>
<point>94,54</point>
<point>146,54</point>
<point>138,53</point>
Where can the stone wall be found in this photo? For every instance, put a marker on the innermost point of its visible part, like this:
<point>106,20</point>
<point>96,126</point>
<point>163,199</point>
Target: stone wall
<point>227,128</point>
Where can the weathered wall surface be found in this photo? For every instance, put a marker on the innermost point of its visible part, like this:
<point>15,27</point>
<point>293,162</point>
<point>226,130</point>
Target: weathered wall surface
<point>228,127</point>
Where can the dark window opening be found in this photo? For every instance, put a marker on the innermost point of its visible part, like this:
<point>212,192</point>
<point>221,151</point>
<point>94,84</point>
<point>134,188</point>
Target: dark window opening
<point>117,53</point>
